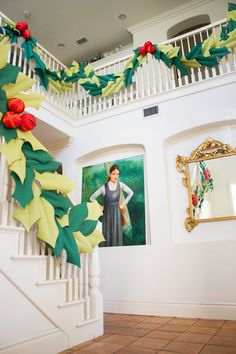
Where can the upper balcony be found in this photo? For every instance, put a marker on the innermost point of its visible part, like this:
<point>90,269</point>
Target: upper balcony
<point>152,79</point>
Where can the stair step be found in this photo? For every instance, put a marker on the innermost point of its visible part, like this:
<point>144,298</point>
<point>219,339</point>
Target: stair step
<point>71,303</point>
<point>50,282</point>
<point>83,323</point>
<point>28,258</point>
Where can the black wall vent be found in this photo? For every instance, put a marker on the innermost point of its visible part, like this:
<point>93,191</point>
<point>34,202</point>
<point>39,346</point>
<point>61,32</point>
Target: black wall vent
<point>82,40</point>
<point>150,111</point>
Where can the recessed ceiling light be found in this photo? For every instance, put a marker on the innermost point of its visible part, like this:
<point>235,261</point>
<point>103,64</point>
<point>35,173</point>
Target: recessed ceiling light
<point>61,45</point>
<point>122,16</point>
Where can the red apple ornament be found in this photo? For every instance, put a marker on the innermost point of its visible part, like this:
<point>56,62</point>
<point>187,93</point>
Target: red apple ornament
<point>16,105</point>
<point>28,122</point>
<point>11,120</point>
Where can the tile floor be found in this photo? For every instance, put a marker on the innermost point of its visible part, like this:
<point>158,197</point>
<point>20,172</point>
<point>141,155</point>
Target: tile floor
<point>136,334</point>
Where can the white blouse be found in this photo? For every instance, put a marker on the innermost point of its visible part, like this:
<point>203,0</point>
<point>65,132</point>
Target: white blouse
<point>112,187</point>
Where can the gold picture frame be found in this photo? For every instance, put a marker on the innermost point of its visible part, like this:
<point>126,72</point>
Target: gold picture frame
<point>210,149</point>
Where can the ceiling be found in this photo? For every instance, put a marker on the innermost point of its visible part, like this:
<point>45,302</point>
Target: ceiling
<point>59,21</point>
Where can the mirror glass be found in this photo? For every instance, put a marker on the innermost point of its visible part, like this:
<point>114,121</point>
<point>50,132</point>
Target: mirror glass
<point>212,188</point>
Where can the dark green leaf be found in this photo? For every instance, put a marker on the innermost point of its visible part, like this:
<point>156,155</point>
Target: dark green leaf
<point>23,191</point>
<point>77,215</point>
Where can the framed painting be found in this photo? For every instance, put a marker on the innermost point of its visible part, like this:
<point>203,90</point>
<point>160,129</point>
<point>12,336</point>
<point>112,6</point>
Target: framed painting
<point>118,186</point>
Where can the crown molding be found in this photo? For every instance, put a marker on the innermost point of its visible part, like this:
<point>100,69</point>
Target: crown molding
<point>168,14</point>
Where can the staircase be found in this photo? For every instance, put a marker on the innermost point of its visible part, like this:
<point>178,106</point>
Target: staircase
<point>68,297</point>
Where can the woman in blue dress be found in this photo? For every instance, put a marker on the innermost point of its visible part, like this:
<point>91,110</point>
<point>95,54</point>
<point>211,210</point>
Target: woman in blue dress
<point>112,208</point>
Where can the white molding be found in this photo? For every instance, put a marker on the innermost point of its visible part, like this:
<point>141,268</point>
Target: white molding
<point>50,342</point>
<point>178,309</point>
<point>167,14</point>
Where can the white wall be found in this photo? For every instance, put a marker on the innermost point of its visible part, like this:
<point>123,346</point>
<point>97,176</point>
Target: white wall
<point>178,273</point>
<point>20,320</point>
<point>155,29</point>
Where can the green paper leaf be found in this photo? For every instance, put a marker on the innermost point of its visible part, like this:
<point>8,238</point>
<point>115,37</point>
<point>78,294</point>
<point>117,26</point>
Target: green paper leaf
<point>66,240</point>
<point>50,166</point>
<point>60,203</point>
<point>8,74</point>
<point>8,133</point>
<point>23,191</point>
<point>77,215</point>
<point>196,50</point>
<point>3,102</point>
<point>38,155</point>
<point>87,227</point>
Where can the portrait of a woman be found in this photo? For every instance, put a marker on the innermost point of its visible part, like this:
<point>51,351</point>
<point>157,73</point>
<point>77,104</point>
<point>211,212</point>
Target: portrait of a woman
<point>112,207</point>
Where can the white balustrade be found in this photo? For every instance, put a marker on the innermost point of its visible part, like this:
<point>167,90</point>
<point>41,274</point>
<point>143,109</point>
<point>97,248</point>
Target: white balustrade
<point>152,79</point>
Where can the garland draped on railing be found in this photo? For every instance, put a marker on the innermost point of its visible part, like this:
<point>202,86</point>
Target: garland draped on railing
<point>40,192</point>
<point>205,54</point>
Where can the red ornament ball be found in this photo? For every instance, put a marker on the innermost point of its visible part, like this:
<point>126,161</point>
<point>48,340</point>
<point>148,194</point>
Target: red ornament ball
<point>151,49</point>
<point>147,44</point>
<point>21,26</point>
<point>26,34</point>
<point>11,120</point>
<point>28,122</point>
<point>16,105</point>
<point>143,50</point>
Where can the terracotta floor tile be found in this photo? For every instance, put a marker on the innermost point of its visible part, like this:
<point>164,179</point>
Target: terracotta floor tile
<point>213,349</point>
<point>229,324</point>
<point>102,348</point>
<point>194,338</point>
<point>164,352</point>
<point>102,337</point>
<point>185,322</point>
<point>158,319</point>
<point>184,348</point>
<point>173,328</point>
<point>222,340</point>
<point>136,318</point>
<point>112,329</point>
<point>118,339</point>
<point>228,332</point>
<point>137,350</point>
<point>82,345</point>
<point>202,330</point>
<point>209,323</point>
<point>120,323</point>
<point>148,325</point>
<point>149,343</point>
<point>136,332</point>
<point>162,335</point>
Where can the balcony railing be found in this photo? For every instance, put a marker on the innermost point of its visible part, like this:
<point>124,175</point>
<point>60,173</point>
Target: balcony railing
<point>153,78</point>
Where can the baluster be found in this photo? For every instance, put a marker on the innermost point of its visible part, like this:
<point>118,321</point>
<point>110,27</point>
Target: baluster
<point>14,47</point>
<point>50,265</point>
<point>4,183</point>
<point>86,287</point>
<point>80,278</point>
<point>63,263</point>
<point>75,282</point>
<point>69,285</point>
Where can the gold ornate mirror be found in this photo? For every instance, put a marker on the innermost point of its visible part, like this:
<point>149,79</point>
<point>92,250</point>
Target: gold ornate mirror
<point>210,177</point>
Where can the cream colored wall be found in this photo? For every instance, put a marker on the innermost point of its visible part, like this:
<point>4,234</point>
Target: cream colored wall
<point>155,29</point>
<point>178,273</point>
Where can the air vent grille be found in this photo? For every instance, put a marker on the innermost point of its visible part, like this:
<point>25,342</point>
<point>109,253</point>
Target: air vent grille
<point>150,111</point>
<point>82,40</point>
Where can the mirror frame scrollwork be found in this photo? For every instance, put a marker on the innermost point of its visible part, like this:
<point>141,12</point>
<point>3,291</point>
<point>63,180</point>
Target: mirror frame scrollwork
<point>209,149</point>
